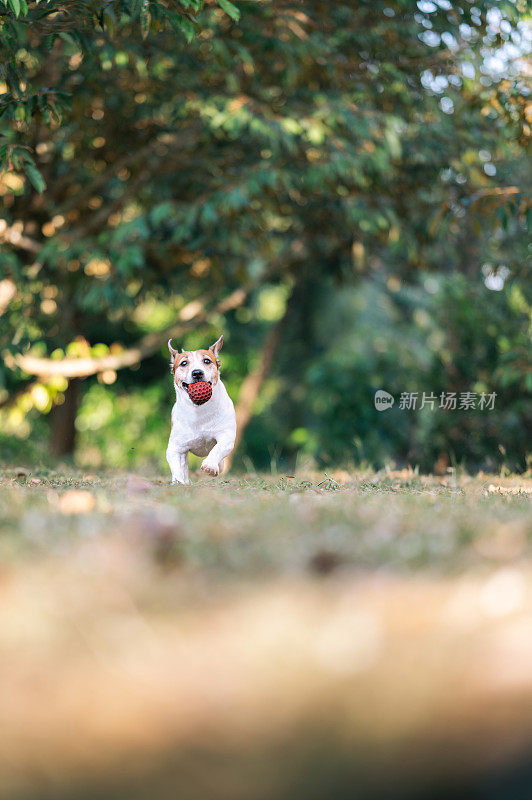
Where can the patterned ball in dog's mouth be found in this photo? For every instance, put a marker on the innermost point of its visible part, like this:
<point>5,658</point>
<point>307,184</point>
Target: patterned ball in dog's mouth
<point>199,392</point>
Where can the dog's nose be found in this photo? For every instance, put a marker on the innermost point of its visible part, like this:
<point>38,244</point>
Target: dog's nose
<point>197,374</point>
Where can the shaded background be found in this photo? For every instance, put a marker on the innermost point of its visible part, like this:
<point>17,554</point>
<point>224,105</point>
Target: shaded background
<point>342,189</point>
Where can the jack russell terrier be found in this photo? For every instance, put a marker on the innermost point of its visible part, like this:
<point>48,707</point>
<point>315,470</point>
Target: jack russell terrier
<point>208,429</point>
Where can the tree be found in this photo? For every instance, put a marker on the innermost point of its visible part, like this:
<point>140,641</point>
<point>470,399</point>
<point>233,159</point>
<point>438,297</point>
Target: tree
<point>305,142</point>
<point>37,42</point>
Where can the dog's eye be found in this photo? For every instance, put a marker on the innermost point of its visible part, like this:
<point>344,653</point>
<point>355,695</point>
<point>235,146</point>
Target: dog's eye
<point>207,361</point>
<point>183,363</point>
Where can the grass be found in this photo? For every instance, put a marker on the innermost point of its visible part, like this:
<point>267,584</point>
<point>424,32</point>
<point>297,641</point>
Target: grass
<point>318,631</point>
<point>259,527</point>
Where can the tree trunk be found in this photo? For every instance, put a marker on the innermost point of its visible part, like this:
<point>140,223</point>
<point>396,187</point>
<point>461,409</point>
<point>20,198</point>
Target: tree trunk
<point>250,389</point>
<point>63,421</point>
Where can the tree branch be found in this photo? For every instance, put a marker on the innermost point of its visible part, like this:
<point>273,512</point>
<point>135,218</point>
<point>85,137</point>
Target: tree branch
<point>191,315</point>
<point>18,239</point>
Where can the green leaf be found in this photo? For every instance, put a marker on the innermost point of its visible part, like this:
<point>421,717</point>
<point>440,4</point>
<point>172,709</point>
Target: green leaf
<point>182,25</point>
<point>230,9</point>
<point>145,19</point>
<point>109,21</point>
<point>36,178</point>
<point>15,6</point>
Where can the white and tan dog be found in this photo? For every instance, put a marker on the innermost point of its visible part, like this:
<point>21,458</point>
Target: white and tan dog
<point>207,430</point>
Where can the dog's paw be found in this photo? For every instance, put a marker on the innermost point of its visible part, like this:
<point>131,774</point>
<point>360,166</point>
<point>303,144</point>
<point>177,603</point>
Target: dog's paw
<point>210,469</point>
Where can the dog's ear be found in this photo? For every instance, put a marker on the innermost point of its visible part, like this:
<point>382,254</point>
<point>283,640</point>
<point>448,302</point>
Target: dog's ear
<point>173,354</point>
<point>216,347</point>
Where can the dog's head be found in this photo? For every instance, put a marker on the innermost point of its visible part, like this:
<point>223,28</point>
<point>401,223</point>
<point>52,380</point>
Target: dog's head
<point>191,366</point>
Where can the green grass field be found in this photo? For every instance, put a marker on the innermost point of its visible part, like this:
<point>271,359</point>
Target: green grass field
<point>261,636</point>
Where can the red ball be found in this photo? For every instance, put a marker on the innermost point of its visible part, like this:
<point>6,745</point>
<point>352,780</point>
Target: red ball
<point>200,392</point>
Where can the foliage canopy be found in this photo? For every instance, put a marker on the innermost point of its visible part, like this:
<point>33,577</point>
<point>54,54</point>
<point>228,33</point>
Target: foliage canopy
<point>187,154</point>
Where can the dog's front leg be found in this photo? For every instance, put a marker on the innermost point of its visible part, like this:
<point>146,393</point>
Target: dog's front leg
<point>212,464</point>
<point>178,462</point>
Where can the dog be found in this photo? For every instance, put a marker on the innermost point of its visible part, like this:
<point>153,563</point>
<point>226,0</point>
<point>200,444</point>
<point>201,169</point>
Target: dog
<point>207,430</point>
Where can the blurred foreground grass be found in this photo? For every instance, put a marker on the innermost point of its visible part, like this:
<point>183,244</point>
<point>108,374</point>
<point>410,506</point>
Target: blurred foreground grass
<point>335,636</point>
